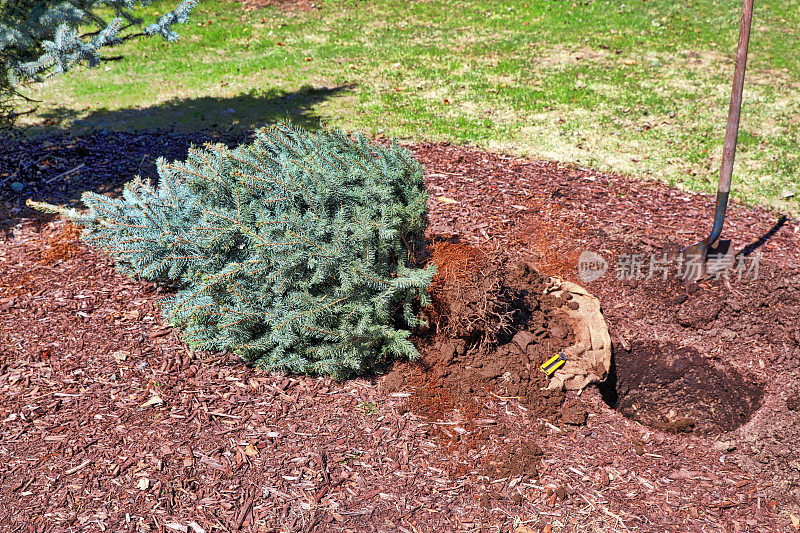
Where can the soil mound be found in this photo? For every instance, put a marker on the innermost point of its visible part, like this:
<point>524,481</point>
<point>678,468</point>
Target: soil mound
<point>491,327</point>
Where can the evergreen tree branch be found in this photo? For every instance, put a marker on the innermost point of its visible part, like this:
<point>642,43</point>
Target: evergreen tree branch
<point>306,272</point>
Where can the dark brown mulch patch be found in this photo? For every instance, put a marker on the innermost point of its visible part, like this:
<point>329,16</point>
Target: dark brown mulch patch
<point>58,168</point>
<point>108,423</point>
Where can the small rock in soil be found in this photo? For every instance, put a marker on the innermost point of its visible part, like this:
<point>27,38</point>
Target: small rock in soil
<point>486,501</point>
<point>638,447</point>
<point>679,299</point>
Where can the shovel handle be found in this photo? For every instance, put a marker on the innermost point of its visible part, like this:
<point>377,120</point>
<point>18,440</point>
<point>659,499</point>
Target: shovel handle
<point>732,129</point>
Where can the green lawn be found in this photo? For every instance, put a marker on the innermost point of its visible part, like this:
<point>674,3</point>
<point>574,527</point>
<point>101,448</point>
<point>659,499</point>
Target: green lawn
<point>639,87</point>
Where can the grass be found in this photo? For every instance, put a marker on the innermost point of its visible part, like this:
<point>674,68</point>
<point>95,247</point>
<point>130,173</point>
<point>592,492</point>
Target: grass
<point>639,87</point>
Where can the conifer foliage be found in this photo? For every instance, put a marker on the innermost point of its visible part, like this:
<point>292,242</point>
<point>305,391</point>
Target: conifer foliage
<point>39,38</point>
<point>292,251</point>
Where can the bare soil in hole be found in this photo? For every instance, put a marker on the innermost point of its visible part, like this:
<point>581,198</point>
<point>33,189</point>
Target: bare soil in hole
<point>673,388</point>
<point>83,350</point>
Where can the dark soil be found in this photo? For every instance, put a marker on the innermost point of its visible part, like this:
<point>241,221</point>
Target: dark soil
<point>674,388</point>
<point>492,329</point>
<point>83,354</point>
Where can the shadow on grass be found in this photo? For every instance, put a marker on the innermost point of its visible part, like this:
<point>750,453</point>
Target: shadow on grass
<point>57,161</point>
<point>243,112</point>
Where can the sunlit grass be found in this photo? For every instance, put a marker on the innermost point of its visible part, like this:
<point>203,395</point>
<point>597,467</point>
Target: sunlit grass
<point>637,87</point>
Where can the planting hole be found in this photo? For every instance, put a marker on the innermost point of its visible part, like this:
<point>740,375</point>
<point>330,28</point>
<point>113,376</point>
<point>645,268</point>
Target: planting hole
<point>673,388</point>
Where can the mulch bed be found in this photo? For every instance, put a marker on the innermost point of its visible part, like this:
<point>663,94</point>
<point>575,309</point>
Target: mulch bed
<point>110,424</point>
<point>59,169</point>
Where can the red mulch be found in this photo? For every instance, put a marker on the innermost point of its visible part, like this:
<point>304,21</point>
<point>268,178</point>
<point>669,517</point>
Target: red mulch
<point>109,424</point>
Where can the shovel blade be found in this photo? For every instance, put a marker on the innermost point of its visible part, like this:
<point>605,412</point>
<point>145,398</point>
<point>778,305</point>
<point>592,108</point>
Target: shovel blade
<point>720,258</point>
<point>693,261</point>
<point>696,259</point>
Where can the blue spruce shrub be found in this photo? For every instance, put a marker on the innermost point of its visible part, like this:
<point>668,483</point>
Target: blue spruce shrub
<point>292,251</point>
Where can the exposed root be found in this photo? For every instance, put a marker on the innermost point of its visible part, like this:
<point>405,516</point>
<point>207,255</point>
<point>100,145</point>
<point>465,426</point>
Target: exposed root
<point>467,295</point>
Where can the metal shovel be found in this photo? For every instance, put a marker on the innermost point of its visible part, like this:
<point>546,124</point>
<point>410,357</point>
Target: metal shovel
<point>694,258</point>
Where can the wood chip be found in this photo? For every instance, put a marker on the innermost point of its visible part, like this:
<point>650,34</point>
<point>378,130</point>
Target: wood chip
<point>77,468</point>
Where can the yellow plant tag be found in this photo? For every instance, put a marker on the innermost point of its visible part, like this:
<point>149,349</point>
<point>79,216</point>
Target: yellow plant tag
<point>554,363</point>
